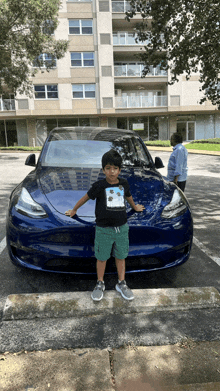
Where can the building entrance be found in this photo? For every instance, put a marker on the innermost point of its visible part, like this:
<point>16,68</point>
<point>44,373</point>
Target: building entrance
<point>8,133</point>
<point>187,129</point>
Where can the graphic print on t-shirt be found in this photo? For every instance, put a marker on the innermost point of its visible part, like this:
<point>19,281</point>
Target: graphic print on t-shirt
<point>115,197</point>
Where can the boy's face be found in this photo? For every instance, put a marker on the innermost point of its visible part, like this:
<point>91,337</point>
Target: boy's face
<point>111,173</point>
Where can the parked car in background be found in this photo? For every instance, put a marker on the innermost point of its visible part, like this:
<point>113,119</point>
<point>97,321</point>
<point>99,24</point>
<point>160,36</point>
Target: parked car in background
<point>41,237</point>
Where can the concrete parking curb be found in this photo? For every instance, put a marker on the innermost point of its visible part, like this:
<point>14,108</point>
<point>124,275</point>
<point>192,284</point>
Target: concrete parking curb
<point>79,304</point>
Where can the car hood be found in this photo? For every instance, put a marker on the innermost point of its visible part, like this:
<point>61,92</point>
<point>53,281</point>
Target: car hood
<point>63,187</point>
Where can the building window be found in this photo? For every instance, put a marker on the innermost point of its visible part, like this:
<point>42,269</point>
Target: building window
<point>84,59</point>
<point>120,6</point>
<point>83,91</point>
<point>81,27</point>
<point>48,91</point>
<point>48,27</point>
<point>45,60</point>
<point>7,103</point>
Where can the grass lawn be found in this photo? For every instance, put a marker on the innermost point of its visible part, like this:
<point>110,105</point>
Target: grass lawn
<point>21,148</point>
<point>203,146</point>
<point>200,145</point>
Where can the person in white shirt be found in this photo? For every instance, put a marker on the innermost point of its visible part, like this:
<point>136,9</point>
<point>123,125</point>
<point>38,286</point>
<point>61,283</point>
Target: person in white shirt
<point>177,165</point>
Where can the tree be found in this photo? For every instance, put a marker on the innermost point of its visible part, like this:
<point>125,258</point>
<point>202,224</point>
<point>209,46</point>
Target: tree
<point>26,27</point>
<point>184,36</point>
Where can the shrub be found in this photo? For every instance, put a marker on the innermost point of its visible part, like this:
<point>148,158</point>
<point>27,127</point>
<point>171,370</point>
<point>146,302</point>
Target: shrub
<point>207,141</point>
<point>158,143</point>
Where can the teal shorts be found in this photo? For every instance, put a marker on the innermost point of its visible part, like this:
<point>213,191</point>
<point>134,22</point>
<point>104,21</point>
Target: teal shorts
<point>111,241</point>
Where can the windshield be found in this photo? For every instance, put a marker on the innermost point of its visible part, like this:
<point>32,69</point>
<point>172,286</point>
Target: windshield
<point>88,153</point>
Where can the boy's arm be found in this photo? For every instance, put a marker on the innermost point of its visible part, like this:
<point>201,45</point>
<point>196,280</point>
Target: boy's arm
<point>82,201</point>
<point>138,207</point>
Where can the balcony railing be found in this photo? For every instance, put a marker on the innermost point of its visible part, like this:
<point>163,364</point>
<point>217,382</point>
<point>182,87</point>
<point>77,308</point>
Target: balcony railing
<point>130,70</point>
<point>7,104</point>
<point>126,38</point>
<point>120,6</point>
<point>140,101</point>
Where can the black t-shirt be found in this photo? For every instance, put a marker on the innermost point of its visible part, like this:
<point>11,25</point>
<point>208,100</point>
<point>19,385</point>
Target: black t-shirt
<point>110,208</point>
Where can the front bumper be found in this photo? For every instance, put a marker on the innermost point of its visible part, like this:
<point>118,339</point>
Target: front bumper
<point>70,248</point>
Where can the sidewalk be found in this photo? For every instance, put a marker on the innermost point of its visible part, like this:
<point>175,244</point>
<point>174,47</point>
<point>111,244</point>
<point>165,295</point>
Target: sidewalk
<point>187,365</point>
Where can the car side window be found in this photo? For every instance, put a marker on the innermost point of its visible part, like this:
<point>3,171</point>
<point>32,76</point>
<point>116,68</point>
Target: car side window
<point>140,152</point>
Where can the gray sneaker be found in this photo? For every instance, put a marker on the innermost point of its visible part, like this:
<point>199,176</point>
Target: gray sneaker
<point>126,292</point>
<point>97,293</point>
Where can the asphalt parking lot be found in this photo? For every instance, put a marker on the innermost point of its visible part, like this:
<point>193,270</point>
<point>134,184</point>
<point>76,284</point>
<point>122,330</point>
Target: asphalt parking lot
<point>202,269</point>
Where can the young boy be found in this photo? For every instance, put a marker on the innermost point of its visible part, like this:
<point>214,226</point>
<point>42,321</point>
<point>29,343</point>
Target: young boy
<point>111,222</point>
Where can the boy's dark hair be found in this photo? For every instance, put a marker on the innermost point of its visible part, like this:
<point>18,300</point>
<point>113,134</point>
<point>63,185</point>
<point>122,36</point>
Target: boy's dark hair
<point>177,137</point>
<point>113,158</point>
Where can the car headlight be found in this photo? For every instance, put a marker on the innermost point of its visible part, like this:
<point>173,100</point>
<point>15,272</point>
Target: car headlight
<point>176,207</point>
<point>27,206</point>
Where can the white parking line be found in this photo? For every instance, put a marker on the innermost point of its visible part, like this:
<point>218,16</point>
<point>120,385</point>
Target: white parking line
<point>206,250</point>
<point>2,245</point>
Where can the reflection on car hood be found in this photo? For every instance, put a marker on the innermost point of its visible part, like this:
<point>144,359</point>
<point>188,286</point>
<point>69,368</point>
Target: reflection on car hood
<point>63,187</point>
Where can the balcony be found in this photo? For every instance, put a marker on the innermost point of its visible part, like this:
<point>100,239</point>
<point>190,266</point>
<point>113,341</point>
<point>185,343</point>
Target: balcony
<point>140,101</point>
<point>7,104</point>
<point>127,38</point>
<point>135,70</point>
<point>120,6</point>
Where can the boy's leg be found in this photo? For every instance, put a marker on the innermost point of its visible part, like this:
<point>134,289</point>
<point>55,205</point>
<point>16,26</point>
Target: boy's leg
<point>97,293</point>
<point>103,246</point>
<point>100,267</point>
<point>120,264</point>
<point>121,248</point>
<point>121,286</point>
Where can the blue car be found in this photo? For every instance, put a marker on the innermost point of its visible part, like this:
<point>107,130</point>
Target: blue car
<point>41,237</point>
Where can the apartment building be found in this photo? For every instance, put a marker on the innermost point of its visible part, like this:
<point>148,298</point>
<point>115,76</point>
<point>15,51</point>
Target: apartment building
<point>99,83</point>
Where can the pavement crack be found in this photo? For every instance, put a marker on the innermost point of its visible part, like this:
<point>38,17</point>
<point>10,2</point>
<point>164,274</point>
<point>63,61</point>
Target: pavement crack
<point>112,367</point>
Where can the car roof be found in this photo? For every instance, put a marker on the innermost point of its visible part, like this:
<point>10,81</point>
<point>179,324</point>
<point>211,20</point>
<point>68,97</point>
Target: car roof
<point>90,128</point>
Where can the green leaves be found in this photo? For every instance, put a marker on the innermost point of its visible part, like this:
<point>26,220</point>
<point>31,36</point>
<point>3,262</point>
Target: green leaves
<point>26,28</point>
<point>185,37</point>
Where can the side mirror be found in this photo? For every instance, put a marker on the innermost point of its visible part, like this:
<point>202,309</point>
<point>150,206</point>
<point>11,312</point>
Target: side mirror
<point>31,160</point>
<point>158,162</point>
